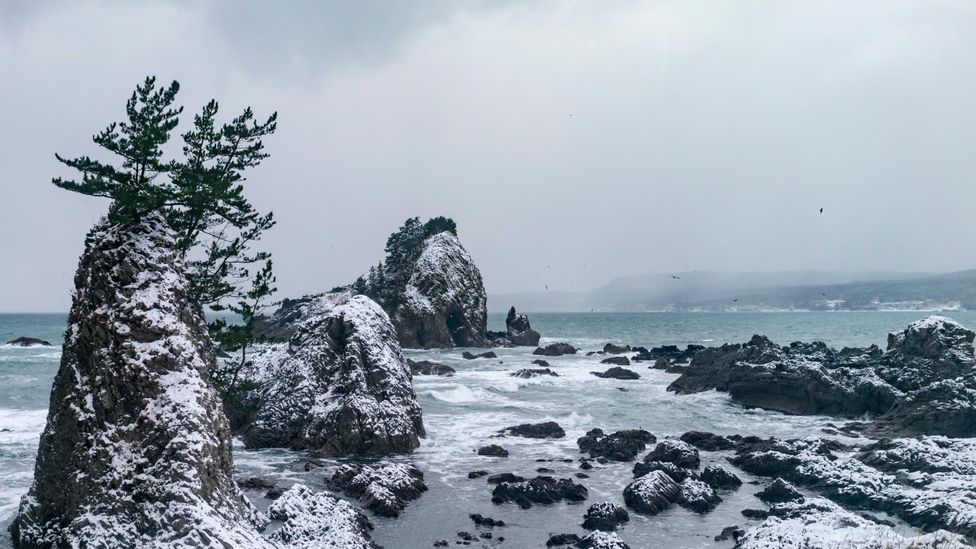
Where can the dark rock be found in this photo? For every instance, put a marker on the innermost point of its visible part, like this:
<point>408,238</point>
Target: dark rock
<point>670,353</point>
<point>541,490</point>
<point>28,342</point>
<point>557,540</point>
<point>661,364</point>
<point>526,373</point>
<point>540,362</point>
<point>384,489</point>
<point>617,373</point>
<point>486,521</point>
<point>602,540</point>
<point>618,360</point>
<point>676,473</point>
<point>493,450</point>
<point>730,533</point>
<point>467,355</point>
<point>720,478</point>
<point>612,349</point>
<point>467,536</point>
<point>707,441</point>
<point>605,516</point>
<point>519,332</point>
<point>548,429</point>
<point>779,491</point>
<point>440,543</point>
<point>674,451</point>
<point>582,475</point>
<point>275,492</point>
<point>755,513</point>
<point>619,446</point>
<point>428,368</point>
<point>477,474</point>
<point>697,496</point>
<point>504,477</point>
<point>313,464</point>
<point>255,483</point>
<point>545,471</point>
<point>340,386</point>
<point>555,349</point>
<point>651,493</point>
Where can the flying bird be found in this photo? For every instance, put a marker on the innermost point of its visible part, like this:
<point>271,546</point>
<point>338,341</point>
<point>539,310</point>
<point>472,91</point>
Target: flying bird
<point>676,277</point>
<point>547,287</point>
<point>821,210</point>
<point>735,300</point>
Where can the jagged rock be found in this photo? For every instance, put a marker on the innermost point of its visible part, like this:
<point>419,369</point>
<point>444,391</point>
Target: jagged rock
<point>384,489</point>
<point>662,364</point>
<point>492,450</point>
<point>730,533</point>
<point>255,483</point>
<point>136,450</point>
<point>28,342</point>
<point>283,322</point>
<point>612,349</point>
<point>486,521</point>
<point>534,372</point>
<point>444,303</point>
<point>707,441</point>
<point>779,491</point>
<point>557,540</point>
<point>697,496</point>
<point>315,519</point>
<point>428,368</point>
<point>720,478</point>
<point>652,493</point>
<point>605,516</point>
<point>519,332</point>
<point>541,489</point>
<point>602,540</point>
<point>676,473</point>
<point>540,362</point>
<point>674,451</point>
<point>341,385</point>
<point>617,360</point>
<point>467,355</point>
<point>477,474</point>
<point>670,353</point>
<point>617,373</point>
<point>504,477</point>
<point>548,429</point>
<point>555,349</point>
<point>619,446</point>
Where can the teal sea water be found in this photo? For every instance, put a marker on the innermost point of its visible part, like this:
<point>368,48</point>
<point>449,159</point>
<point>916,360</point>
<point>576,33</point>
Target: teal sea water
<point>465,412</point>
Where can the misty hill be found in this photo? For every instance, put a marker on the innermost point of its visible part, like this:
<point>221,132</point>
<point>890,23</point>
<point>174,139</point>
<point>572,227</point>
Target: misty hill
<point>798,290</point>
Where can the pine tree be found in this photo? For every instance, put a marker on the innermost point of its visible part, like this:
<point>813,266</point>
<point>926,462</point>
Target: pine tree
<point>202,197</point>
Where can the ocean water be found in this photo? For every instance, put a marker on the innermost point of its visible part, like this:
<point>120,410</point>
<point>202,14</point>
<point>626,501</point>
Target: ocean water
<point>465,412</point>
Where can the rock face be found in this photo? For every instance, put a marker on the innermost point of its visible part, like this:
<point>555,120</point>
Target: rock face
<point>136,451</point>
<point>341,385</point>
<point>444,304</point>
<point>519,331</point>
<point>652,493</point>
<point>384,489</point>
<point>925,383</point>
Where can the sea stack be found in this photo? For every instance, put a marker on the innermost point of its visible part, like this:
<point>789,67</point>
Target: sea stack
<point>136,451</point>
<point>340,386</point>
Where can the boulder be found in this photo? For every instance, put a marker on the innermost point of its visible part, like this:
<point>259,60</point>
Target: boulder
<point>444,302</point>
<point>384,489</point>
<point>671,353</point>
<point>467,355</point>
<point>779,491</point>
<point>518,330</point>
<point>504,477</point>
<point>428,368</point>
<point>602,540</point>
<point>697,496</point>
<point>662,364</point>
<point>676,473</point>
<point>618,446</point>
<point>136,451</point>
<point>605,516</point>
<point>652,493</point>
<point>612,349</point>
<point>674,451</point>
<point>534,372</point>
<point>730,533</point>
<point>540,362</point>
<point>617,360</point>
<point>720,478</point>
<point>539,490</point>
<point>555,349</point>
<point>493,450</point>
<point>548,429</point>
<point>28,342</point>
<point>340,386</point>
<point>486,521</point>
<point>617,373</point>
<point>313,519</point>
<point>562,540</point>
<point>707,441</point>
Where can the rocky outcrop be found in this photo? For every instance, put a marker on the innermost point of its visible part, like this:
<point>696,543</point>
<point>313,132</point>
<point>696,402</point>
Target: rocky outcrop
<point>312,520</point>
<point>555,349</point>
<point>340,386</point>
<point>612,349</point>
<point>617,373</point>
<point>136,451</point>
<point>674,451</point>
<point>28,342</point>
<point>539,490</point>
<point>618,446</point>
<point>384,489</point>
<point>428,368</point>
<point>707,441</point>
<point>467,355</point>
<point>616,360</point>
<point>720,478</point>
<point>697,496</point>
<point>652,493</point>
<point>444,302</point>
<point>526,373</point>
<point>493,450</point>
<point>605,516</point>
<point>548,429</point>
<point>671,353</point>
<point>280,325</point>
<point>518,330</point>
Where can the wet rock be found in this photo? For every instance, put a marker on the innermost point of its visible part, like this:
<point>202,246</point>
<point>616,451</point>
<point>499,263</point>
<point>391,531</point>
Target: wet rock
<point>755,513</point>
<point>707,441</point>
<point>558,540</point>
<point>519,331</point>
<point>670,353</point>
<point>428,368</point>
<point>651,493</point>
<point>779,491</point>
<point>697,496</point>
<point>602,540</point>
<point>612,349</point>
<point>275,492</point>
<point>548,429</point>
<point>674,451</point>
<point>384,489</point>
<point>467,355</point>
<point>28,342</point>
<point>555,349</point>
<point>676,473</point>
<point>618,446</point>
<point>661,364</point>
<point>136,450</point>
<point>493,450</point>
<point>605,516</point>
<point>477,474</point>
<point>255,483</point>
<point>720,478</point>
<point>730,533</point>
<point>504,477</point>
<point>486,521</point>
<point>617,360</point>
<point>340,386</point>
<point>527,373</point>
<point>617,373</point>
<point>467,536</point>
<point>539,490</point>
<point>540,362</point>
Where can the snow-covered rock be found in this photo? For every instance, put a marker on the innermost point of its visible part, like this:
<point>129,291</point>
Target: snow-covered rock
<point>605,516</point>
<point>697,496</point>
<point>519,331</point>
<point>444,303</point>
<point>602,540</point>
<point>384,489</point>
<point>652,493</point>
<point>675,451</point>
<point>341,385</point>
<point>136,451</point>
<point>314,520</point>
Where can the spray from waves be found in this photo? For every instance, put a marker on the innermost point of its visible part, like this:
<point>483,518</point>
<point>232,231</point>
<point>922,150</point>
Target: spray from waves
<point>461,394</point>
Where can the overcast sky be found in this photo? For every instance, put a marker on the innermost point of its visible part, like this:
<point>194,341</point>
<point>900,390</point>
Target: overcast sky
<point>573,142</point>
